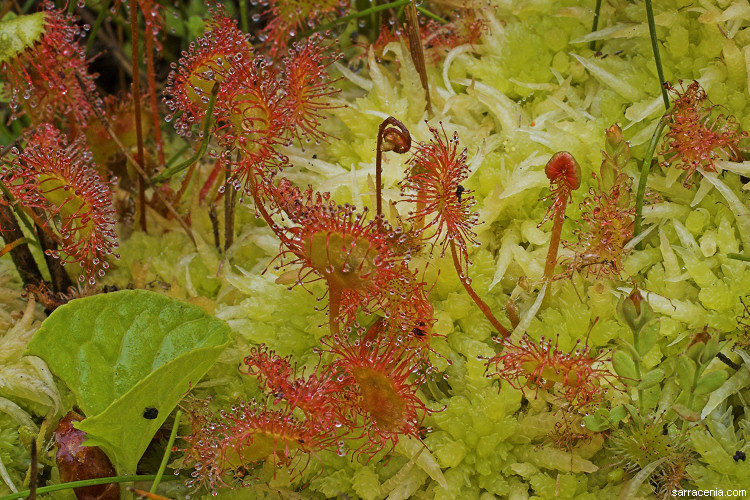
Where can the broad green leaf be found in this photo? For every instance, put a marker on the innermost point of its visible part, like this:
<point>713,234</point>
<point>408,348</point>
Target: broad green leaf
<point>123,352</point>
<point>127,442</point>
<point>623,365</point>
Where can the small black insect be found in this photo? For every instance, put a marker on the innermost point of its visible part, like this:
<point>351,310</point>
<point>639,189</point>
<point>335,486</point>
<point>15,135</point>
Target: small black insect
<point>664,430</point>
<point>459,191</point>
<point>150,413</point>
<point>739,455</point>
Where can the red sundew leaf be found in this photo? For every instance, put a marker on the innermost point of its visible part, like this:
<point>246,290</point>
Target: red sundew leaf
<point>58,179</point>
<point>209,60</point>
<point>77,462</point>
<point>433,182</point>
<point>575,375</point>
<point>334,243</point>
<point>378,373</point>
<point>308,87</point>
<point>226,445</point>
<point>464,26</point>
<point>695,139</point>
<point>44,73</point>
<point>606,226</point>
<point>289,18</point>
<point>317,394</point>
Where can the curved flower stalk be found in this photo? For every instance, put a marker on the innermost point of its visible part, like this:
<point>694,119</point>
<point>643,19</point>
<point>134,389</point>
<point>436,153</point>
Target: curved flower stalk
<point>564,174</point>
<point>695,138</point>
<point>55,184</point>
<point>41,65</point>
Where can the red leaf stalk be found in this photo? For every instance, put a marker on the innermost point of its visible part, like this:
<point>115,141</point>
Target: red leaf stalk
<point>466,282</point>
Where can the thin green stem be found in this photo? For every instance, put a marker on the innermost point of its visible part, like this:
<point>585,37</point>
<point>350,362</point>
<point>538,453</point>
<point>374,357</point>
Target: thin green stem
<point>595,24</point>
<point>99,20</point>
<point>243,16</point>
<point>86,482</point>
<point>10,246</point>
<point>27,6</point>
<point>655,47</point>
<point>739,256</point>
<point>645,167</point>
<point>361,13</point>
<point>691,394</point>
<point>637,364</point>
<point>177,155</point>
<point>72,4</point>
<point>433,16</point>
<point>117,20</point>
<point>169,172</point>
<point>167,452</point>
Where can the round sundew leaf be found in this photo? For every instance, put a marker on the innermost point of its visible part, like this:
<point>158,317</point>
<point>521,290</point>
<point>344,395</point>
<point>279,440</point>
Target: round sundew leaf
<point>124,352</point>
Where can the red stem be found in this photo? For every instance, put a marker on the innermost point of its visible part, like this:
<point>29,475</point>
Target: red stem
<point>479,302</point>
<point>554,242</point>
<point>152,96</point>
<point>136,90</point>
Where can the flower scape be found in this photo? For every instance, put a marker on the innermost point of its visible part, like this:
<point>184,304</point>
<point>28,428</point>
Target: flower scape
<point>286,249</point>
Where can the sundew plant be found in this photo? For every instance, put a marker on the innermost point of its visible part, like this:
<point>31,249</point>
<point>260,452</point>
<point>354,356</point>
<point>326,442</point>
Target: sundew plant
<point>294,249</point>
